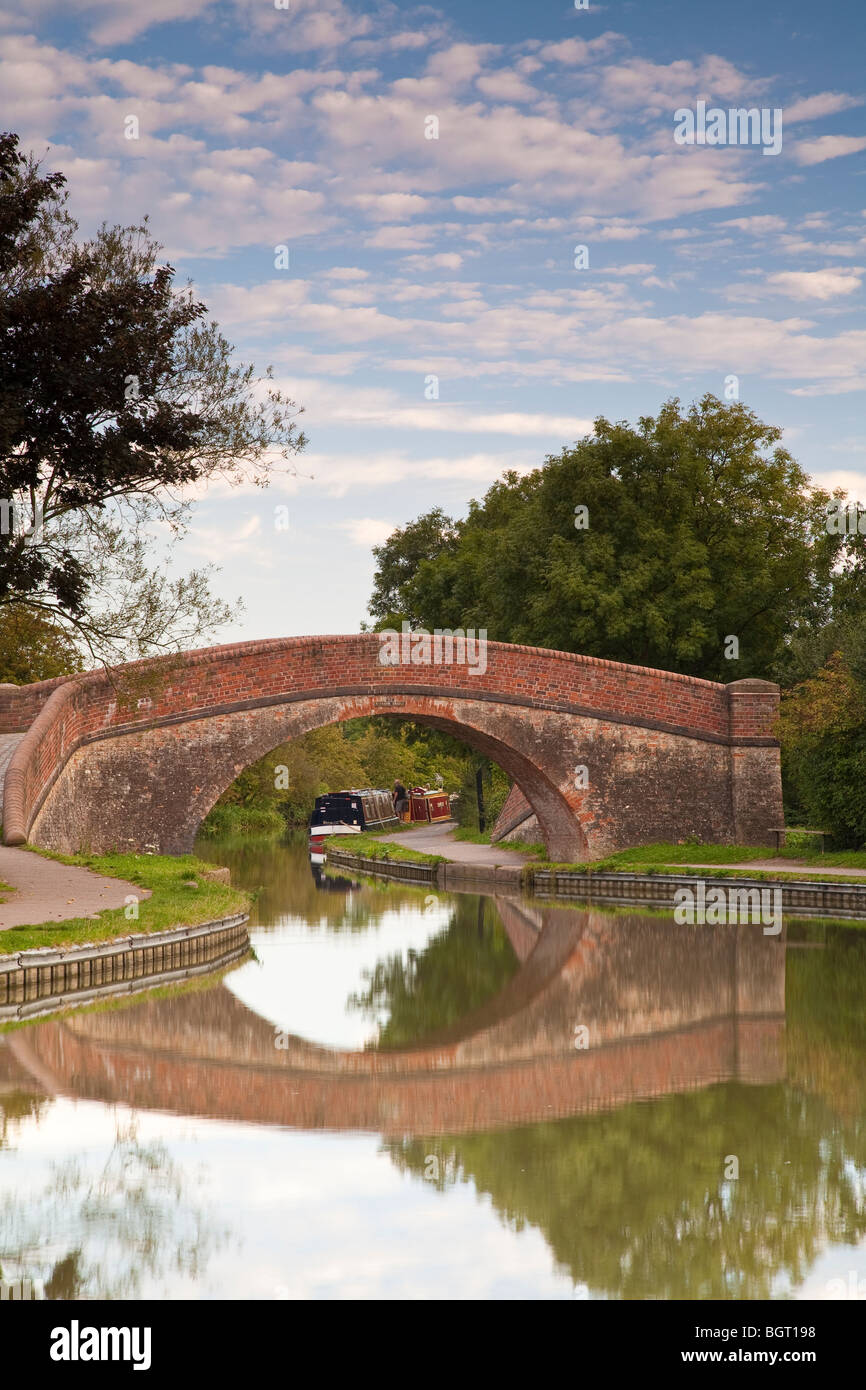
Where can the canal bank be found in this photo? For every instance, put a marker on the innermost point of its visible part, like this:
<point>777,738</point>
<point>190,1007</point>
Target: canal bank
<point>79,928</point>
<point>45,980</point>
<point>433,856</point>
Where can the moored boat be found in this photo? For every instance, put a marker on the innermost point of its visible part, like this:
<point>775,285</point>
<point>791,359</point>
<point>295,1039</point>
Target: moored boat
<point>350,812</point>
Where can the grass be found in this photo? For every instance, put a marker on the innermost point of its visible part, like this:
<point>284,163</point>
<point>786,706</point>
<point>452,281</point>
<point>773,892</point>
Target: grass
<point>368,847</point>
<point>693,859</point>
<point>735,854</point>
<point>172,902</point>
<point>534,850</point>
<point>242,820</point>
<point>643,859</point>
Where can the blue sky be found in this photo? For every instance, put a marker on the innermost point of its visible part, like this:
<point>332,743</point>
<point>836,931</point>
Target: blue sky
<point>411,257</point>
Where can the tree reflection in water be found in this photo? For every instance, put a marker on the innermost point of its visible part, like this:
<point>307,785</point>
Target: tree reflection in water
<point>459,969</point>
<point>103,1235</point>
<point>634,1202</point>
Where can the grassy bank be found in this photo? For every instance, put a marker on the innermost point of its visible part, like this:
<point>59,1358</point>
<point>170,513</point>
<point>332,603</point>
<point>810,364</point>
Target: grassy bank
<point>180,897</point>
<point>534,849</point>
<point>735,854</point>
<point>694,859</point>
<point>644,859</point>
<point>368,847</point>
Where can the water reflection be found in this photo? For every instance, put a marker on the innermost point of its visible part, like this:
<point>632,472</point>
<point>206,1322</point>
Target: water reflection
<point>695,1046</point>
<point>133,1217</point>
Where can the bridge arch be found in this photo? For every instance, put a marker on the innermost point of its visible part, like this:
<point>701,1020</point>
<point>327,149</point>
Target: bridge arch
<point>134,758</point>
<point>462,719</point>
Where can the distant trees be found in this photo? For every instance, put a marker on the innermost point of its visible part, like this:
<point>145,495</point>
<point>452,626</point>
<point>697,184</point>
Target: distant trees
<point>358,753</point>
<point>32,648</point>
<point>823,733</point>
<point>651,543</point>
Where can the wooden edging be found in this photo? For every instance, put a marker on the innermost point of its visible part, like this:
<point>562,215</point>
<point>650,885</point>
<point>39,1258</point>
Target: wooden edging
<point>46,978</point>
<point>804,896</point>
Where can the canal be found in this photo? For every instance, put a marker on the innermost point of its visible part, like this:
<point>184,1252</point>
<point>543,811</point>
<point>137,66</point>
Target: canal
<point>411,1094</point>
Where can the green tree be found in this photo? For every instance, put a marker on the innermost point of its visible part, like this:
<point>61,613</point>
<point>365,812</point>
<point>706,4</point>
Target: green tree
<point>823,734</point>
<point>116,396</point>
<point>699,526</point>
<point>32,648</point>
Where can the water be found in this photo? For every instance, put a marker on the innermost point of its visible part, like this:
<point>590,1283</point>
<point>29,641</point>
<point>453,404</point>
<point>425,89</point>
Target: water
<point>409,1094</point>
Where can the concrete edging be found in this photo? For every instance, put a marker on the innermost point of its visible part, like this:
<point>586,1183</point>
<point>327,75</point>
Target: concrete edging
<point>803,896</point>
<point>46,978</point>
<point>830,899</point>
<point>443,875</point>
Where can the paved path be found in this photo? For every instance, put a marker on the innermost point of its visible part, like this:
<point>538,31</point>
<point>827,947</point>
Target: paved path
<point>46,891</point>
<point>788,866</point>
<point>438,839</point>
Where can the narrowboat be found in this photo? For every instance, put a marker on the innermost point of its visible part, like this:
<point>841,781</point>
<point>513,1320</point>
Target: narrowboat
<point>350,812</point>
<point>425,805</point>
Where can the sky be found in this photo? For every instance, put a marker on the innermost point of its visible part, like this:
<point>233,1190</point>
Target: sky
<point>311,127</point>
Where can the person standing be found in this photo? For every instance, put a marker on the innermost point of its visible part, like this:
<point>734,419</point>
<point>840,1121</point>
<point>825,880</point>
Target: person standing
<point>401,800</point>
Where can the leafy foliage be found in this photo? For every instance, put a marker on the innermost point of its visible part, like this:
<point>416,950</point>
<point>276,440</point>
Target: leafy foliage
<point>117,395</point>
<point>823,734</point>
<point>358,753</point>
<point>32,648</point>
<point>700,526</point>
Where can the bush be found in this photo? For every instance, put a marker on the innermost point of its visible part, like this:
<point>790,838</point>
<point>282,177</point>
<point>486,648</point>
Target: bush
<point>823,733</point>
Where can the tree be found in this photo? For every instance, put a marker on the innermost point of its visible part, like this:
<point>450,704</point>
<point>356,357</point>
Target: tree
<point>117,395</point>
<point>32,648</point>
<point>652,544</point>
<point>823,735</point>
<point>420,542</point>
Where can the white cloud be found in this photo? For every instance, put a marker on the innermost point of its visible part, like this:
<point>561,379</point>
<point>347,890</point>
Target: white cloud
<point>819,285</point>
<point>340,473</point>
<point>367,530</point>
<point>760,225</point>
<point>636,268</point>
<point>574,52</point>
<point>822,104</point>
<point>442,260</point>
<point>828,147</point>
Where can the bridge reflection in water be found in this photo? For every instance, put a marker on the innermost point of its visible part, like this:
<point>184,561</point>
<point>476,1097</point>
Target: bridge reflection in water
<point>603,1010</point>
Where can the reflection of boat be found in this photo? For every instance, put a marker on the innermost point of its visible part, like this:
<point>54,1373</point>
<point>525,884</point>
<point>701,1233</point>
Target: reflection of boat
<point>329,883</point>
<point>350,812</point>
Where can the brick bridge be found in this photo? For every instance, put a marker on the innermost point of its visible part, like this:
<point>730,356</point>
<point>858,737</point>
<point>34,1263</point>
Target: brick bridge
<point>667,1009</point>
<point>136,757</point>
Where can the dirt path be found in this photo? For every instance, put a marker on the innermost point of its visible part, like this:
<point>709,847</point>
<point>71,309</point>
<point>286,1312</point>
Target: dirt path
<point>46,891</point>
